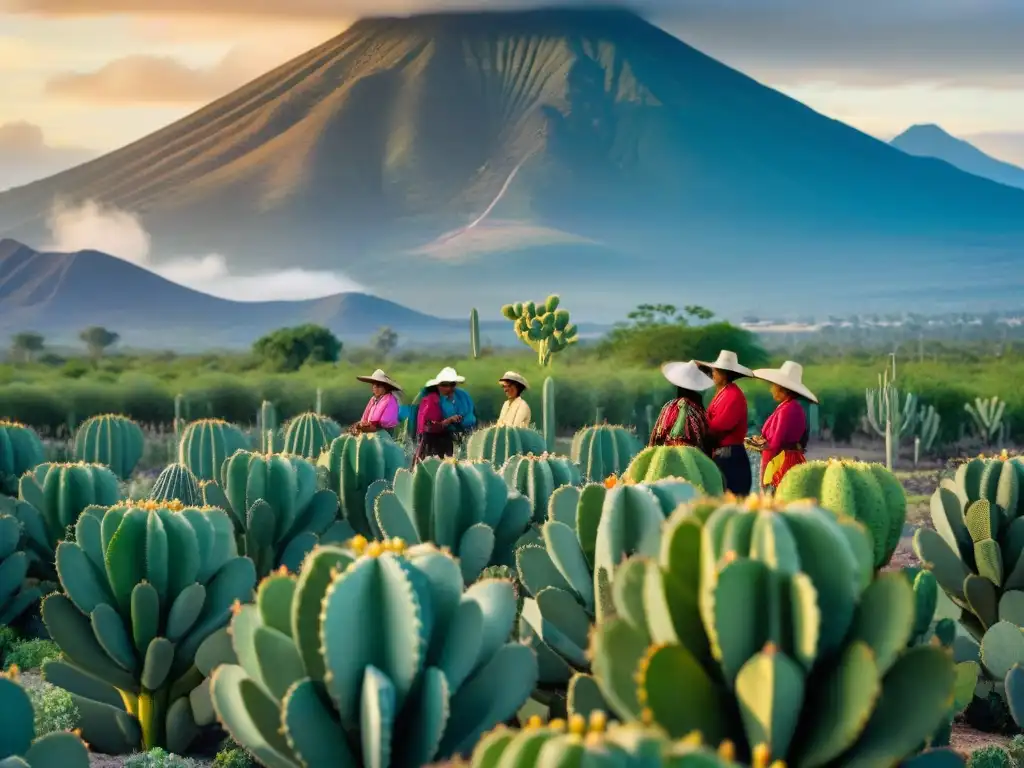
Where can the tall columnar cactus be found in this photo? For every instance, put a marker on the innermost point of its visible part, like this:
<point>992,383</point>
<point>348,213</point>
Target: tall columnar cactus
<point>179,417</point>
<point>888,417</point>
<point>814,670</point>
<point>19,747</point>
<point>548,408</point>
<point>543,327</point>
<point>568,574</point>
<point>690,464</point>
<point>114,441</point>
<point>15,595</point>
<point>604,450</point>
<point>354,463</point>
<point>309,434</point>
<point>55,496</point>
<point>176,482</point>
<point>266,423</point>
<point>463,506</point>
<point>20,450</point>
<point>278,510</point>
<point>928,422</point>
<point>373,656</point>
<point>498,444</point>
<point>145,587</point>
<point>206,444</point>
<point>867,492</point>
<point>537,477</point>
<point>987,416</point>
<point>474,333</point>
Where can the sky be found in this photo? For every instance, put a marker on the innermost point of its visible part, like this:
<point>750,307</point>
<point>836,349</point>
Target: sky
<point>82,77</point>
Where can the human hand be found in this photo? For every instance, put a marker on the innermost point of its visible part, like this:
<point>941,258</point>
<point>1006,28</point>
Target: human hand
<point>457,418</point>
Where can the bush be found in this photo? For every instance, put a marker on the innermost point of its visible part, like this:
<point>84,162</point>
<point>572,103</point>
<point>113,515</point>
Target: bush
<point>54,709</point>
<point>233,757</point>
<point>30,654</point>
<point>157,758</point>
<point>990,757</point>
<point>1016,750</point>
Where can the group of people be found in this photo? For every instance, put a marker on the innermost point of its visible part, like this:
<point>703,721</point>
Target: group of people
<point>446,413</point>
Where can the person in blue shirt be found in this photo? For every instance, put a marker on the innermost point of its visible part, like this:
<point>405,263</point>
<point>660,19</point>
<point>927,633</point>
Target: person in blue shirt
<point>444,416</point>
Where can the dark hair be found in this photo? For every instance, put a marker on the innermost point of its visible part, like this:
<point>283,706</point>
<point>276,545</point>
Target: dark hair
<point>519,387</point>
<point>688,394</point>
<point>730,376</point>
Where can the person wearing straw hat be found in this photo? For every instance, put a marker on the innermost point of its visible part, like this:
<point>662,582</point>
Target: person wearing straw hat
<point>727,421</point>
<point>683,420</point>
<point>515,412</point>
<point>783,439</point>
<point>444,416</point>
<point>381,412</point>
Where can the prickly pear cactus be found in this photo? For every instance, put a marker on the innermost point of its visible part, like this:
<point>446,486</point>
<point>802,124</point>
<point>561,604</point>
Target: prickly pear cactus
<point>537,477</point>
<point>177,483</point>
<point>146,586</point>
<point>691,660</point>
<point>463,506</point>
<point>16,596</point>
<point>498,444</point>
<point>353,464</point>
<point>206,444</point>
<point>867,492</point>
<point>20,450</point>
<point>309,434</point>
<point>604,450</point>
<point>112,440</point>
<point>684,462</point>
<point>373,655</point>
<point>19,746</point>
<point>543,327</point>
<point>278,510</point>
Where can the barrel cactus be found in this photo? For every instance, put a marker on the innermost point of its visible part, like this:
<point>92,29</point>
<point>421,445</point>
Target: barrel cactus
<point>16,596</point>
<point>868,492</point>
<point>309,434</point>
<point>604,450</point>
<point>374,655</point>
<point>278,511</point>
<point>19,747</point>
<point>682,461</point>
<point>461,505</point>
<point>114,441</point>
<point>767,627</point>
<point>568,575</point>
<point>206,444</point>
<point>176,482</point>
<point>55,495</point>
<point>145,586</point>
<point>537,477</point>
<point>998,480</point>
<point>20,450</point>
<point>498,444</point>
<point>353,464</point>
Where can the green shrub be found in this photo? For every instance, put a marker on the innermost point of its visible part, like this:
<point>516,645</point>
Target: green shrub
<point>1016,750</point>
<point>55,710</point>
<point>990,757</point>
<point>157,758</point>
<point>8,639</point>
<point>30,654</point>
<point>233,757</point>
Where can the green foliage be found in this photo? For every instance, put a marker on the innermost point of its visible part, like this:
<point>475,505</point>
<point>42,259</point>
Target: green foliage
<point>27,344</point>
<point>542,326</point>
<point>158,758</point>
<point>30,654</point>
<point>97,339</point>
<point>177,483</point>
<point>990,756</point>
<point>55,709</point>
<point>148,590</point>
<point>18,736</point>
<point>385,341</point>
<point>460,505</point>
<point>233,757</point>
<point>112,440</point>
<point>288,349</point>
<point>604,450</point>
<point>415,667</point>
<point>20,450</point>
<point>309,434</point>
<point>1016,750</point>
<point>206,444</point>
<point>685,462</point>
<point>354,463</point>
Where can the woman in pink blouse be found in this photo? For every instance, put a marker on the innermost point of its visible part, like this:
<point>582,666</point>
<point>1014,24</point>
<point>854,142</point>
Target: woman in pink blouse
<point>381,413</point>
<point>783,439</point>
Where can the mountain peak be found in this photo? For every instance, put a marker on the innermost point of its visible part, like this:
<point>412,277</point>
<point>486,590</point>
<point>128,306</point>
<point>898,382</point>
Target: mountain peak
<point>930,140</point>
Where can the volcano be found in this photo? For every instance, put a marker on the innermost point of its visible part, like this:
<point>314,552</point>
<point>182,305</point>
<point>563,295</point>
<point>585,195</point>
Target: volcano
<point>458,159</point>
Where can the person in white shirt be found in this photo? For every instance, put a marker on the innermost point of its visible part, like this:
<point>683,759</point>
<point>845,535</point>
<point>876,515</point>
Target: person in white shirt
<point>515,412</point>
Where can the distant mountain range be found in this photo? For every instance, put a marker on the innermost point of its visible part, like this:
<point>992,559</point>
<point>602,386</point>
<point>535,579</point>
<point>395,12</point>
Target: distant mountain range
<point>59,294</point>
<point>457,159</point>
<point>933,141</point>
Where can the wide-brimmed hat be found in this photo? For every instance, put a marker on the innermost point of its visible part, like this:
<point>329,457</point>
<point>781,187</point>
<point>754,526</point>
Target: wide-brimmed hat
<point>518,378</point>
<point>379,377</point>
<point>445,376</point>
<point>687,375</point>
<point>790,376</point>
<point>727,361</point>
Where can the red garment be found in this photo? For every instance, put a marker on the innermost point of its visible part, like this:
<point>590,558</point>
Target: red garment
<point>429,415</point>
<point>785,431</point>
<point>692,431</point>
<point>727,417</point>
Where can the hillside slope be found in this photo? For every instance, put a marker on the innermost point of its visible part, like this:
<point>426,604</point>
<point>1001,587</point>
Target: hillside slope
<point>933,141</point>
<point>604,151</point>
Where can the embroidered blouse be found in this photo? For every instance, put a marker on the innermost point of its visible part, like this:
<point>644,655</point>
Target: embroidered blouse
<point>784,430</point>
<point>727,417</point>
<point>514,413</point>
<point>680,423</point>
<point>382,411</point>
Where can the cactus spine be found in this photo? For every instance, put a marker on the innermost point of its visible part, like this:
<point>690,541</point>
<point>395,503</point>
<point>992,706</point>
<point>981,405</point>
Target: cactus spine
<point>888,418</point>
<point>548,405</point>
<point>987,415</point>
<point>474,333</point>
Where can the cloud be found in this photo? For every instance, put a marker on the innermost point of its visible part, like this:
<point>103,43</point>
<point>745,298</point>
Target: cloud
<point>155,79</point>
<point>26,157</point>
<point>1004,145</point>
<point>92,226</point>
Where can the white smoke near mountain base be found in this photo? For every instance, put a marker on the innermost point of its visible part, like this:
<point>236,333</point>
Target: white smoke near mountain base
<point>97,227</point>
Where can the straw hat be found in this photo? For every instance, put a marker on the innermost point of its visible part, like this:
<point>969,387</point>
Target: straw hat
<point>686,375</point>
<point>444,376</point>
<point>379,377</point>
<point>790,376</point>
<point>515,377</point>
<point>727,361</point>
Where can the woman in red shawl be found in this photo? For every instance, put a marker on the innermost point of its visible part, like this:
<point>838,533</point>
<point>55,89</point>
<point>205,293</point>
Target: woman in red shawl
<point>683,420</point>
<point>727,422</point>
<point>783,438</point>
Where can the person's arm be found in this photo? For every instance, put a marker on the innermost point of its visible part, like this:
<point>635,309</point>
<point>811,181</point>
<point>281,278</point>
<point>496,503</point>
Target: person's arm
<point>523,414</point>
<point>730,411</point>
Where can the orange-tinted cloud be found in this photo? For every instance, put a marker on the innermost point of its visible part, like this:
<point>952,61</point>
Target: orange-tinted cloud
<point>25,156</point>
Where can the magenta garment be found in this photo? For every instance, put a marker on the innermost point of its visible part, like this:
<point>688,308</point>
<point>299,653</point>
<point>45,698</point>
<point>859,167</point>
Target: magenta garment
<point>382,411</point>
